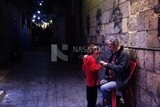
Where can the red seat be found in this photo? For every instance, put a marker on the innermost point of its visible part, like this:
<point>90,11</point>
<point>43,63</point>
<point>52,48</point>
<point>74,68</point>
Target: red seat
<point>113,98</point>
<point>127,92</point>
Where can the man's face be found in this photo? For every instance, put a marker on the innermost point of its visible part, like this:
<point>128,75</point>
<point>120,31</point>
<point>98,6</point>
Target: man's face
<point>111,47</point>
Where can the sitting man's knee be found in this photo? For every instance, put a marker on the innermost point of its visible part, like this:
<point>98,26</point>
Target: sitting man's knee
<point>102,88</point>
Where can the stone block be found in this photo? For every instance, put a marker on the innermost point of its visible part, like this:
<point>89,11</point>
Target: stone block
<point>100,1</point>
<point>125,9</point>
<point>132,23</point>
<point>140,58</point>
<point>138,95</point>
<point>93,22</point>
<point>104,17</point>
<point>153,23</point>
<point>121,1</point>
<point>151,20</point>
<point>109,28</point>
<point>157,62</point>
<point>145,98</point>
<point>117,29</point>
<point>124,37</point>
<point>141,22</point>
<point>138,39</point>
<point>93,12</point>
<point>158,89</point>
<point>110,4</point>
<point>83,9</point>
<point>84,23</point>
<point>141,78</point>
<point>142,39</point>
<point>152,82</point>
<point>93,39</point>
<point>147,4</point>
<point>92,31</point>
<point>125,25</point>
<point>153,36</point>
<point>87,7</point>
<point>143,5</point>
<point>149,60</point>
<point>131,41</point>
<point>88,40</point>
<point>103,6</point>
<point>106,37</point>
<point>134,7</point>
<point>85,2</point>
<point>155,102</point>
<point>108,15</point>
<point>93,4</point>
<point>102,30</point>
<point>100,39</point>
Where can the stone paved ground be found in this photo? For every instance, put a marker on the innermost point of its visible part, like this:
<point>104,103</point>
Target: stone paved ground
<point>36,82</point>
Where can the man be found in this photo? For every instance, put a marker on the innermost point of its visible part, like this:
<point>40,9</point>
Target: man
<point>117,69</point>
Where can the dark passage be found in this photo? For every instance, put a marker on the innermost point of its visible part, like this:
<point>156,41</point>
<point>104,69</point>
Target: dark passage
<point>37,82</point>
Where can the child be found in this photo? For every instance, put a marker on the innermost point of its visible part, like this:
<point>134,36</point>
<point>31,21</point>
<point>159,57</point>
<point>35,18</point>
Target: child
<point>91,68</point>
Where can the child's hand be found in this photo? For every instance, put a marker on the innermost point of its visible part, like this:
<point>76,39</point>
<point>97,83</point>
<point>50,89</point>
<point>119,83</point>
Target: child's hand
<point>103,63</point>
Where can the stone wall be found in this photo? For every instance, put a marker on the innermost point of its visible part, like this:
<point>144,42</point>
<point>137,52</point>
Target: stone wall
<point>4,33</point>
<point>10,30</point>
<point>135,23</point>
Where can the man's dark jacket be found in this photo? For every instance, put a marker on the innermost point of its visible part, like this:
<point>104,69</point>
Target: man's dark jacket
<point>120,66</point>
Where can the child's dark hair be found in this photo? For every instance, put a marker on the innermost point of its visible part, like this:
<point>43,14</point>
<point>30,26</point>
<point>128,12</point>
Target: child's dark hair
<point>92,49</point>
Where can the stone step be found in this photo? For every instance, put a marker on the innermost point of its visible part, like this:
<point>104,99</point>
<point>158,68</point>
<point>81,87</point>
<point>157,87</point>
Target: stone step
<point>2,94</point>
<point>3,74</point>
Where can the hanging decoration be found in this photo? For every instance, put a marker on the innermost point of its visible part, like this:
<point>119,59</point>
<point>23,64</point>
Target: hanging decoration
<point>39,18</point>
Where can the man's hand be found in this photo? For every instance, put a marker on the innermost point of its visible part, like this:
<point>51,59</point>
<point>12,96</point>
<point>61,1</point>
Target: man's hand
<point>103,63</point>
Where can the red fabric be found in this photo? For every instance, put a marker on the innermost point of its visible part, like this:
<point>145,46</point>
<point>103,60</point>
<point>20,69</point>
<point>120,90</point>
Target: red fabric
<point>127,93</point>
<point>114,104</point>
<point>91,68</point>
<point>132,67</point>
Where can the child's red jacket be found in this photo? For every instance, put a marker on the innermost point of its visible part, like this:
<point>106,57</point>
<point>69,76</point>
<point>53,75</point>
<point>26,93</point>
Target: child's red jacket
<point>91,68</point>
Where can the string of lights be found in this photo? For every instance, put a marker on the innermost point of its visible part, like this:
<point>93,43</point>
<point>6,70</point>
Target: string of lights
<point>39,18</point>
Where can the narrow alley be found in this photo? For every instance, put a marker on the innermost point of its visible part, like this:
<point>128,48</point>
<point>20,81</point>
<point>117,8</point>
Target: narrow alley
<point>43,43</point>
<point>37,82</point>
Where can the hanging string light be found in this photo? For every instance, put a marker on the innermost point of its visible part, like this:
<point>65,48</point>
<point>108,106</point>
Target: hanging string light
<point>39,18</point>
